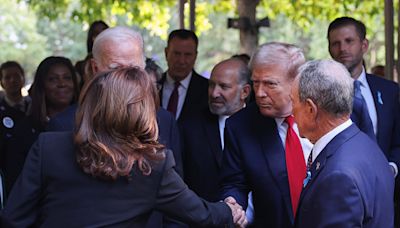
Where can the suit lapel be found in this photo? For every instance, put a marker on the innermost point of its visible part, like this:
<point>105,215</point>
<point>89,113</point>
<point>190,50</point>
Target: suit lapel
<point>321,160</point>
<point>274,153</point>
<point>212,131</point>
<point>161,82</point>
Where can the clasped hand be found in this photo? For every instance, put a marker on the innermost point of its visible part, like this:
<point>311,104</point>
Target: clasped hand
<point>238,214</point>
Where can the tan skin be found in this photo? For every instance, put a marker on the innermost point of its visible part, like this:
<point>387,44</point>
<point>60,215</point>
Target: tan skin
<point>225,95</point>
<point>346,47</point>
<point>181,56</point>
<point>59,89</point>
<point>312,121</point>
<point>272,90</point>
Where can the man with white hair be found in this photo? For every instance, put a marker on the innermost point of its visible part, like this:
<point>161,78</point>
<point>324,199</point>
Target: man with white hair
<point>123,47</point>
<point>349,183</point>
<point>263,152</point>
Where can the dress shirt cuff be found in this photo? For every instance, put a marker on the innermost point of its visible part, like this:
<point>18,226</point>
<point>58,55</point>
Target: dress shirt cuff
<point>395,168</point>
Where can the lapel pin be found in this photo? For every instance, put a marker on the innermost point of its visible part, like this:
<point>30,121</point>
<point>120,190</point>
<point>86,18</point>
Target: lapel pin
<point>317,166</point>
<point>380,101</point>
<point>307,179</point>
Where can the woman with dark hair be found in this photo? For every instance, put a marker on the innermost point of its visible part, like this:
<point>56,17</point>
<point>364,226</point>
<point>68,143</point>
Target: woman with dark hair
<point>112,171</point>
<point>95,29</point>
<point>53,90</point>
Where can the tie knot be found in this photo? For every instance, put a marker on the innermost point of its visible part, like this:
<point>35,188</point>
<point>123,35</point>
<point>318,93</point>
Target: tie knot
<point>289,120</point>
<point>177,84</point>
<point>357,89</point>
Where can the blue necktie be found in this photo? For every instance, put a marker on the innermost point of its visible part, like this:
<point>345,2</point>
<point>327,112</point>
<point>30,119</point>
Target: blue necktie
<point>360,114</point>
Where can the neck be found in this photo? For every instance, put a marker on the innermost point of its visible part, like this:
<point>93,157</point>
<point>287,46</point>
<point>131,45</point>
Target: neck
<point>326,124</point>
<point>355,73</point>
<point>16,98</point>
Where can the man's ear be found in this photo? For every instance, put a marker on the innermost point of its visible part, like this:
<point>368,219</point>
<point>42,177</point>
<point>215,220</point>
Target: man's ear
<point>94,66</point>
<point>364,45</point>
<point>245,92</point>
<point>312,109</point>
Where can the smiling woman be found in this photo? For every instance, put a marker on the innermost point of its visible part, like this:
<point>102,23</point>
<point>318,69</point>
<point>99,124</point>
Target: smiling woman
<point>54,88</point>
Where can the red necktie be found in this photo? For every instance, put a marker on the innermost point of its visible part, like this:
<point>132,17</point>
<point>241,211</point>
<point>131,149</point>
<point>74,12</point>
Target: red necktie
<point>173,99</point>
<point>295,163</point>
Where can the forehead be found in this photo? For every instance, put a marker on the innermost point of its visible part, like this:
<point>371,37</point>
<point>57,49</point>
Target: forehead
<point>11,70</point>
<point>269,72</point>
<point>182,44</point>
<point>226,72</point>
<point>343,32</point>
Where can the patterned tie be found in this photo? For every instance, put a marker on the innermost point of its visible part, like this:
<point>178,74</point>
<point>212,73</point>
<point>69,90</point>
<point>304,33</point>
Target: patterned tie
<point>173,99</point>
<point>360,115</point>
<point>295,163</point>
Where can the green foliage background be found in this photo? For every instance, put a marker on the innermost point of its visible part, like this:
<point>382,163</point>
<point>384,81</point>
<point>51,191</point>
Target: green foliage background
<point>30,30</point>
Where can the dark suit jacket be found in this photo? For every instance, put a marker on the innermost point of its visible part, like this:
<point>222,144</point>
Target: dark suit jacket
<point>196,97</point>
<point>254,159</point>
<point>168,130</point>
<point>21,139</point>
<point>202,154</point>
<point>386,99</point>
<point>53,191</point>
<point>351,185</point>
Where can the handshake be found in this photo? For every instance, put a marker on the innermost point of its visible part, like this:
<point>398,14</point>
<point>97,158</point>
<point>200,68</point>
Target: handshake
<point>238,214</point>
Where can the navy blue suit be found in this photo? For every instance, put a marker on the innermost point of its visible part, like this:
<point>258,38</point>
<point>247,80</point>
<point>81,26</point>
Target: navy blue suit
<point>351,185</point>
<point>202,154</point>
<point>53,191</point>
<point>386,99</point>
<point>254,159</point>
<point>168,130</point>
<point>196,97</point>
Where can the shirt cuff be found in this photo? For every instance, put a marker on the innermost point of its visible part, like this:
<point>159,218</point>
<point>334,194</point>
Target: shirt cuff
<point>395,168</point>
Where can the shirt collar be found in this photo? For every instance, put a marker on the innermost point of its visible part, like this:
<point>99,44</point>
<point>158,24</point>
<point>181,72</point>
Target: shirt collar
<point>324,140</point>
<point>184,83</point>
<point>363,78</point>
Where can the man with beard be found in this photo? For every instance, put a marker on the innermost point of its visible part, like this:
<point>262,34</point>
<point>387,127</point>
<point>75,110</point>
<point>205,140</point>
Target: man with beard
<point>202,132</point>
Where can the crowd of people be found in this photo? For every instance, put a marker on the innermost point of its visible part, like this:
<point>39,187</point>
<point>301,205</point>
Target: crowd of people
<point>271,140</point>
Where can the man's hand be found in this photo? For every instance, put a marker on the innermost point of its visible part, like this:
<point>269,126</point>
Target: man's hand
<point>238,214</point>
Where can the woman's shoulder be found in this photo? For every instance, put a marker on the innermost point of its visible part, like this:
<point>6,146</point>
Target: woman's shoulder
<point>58,141</point>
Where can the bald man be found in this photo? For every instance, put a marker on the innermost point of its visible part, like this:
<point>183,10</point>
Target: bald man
<point>202,132</point>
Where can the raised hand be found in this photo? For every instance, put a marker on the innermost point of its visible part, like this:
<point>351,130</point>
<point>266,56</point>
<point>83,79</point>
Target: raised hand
<point>238,214</point>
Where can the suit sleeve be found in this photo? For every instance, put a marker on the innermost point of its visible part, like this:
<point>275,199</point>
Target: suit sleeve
<point>394,155</point>
<point>233,180</point>
<point>177,200</point>
<point>176,146</point>
<point>336,202</point>
<point>21,207</point>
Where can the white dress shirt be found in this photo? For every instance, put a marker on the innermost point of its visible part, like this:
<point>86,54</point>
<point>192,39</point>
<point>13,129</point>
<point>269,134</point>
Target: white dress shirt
<point>369,99</point>
<point>168,87</point>
<point>324,140</point>
<point>306,145</point>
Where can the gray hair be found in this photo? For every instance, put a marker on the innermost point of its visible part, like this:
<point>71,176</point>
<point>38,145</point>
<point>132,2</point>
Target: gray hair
<point>118,34</point>
<point>285,55</point>
<point>244,72</point>
<point>328,84</point>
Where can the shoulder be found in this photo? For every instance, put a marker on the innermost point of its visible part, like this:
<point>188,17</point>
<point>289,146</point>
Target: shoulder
<point>56,140</point>
<point>199,78</point>
<point>379,81</point>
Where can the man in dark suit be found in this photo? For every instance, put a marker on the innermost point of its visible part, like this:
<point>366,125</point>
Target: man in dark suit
<point>183,91</point>
<point>257,153</point>
<point>227,93</point>
<point>347,45</point>
<point>349,183</point>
